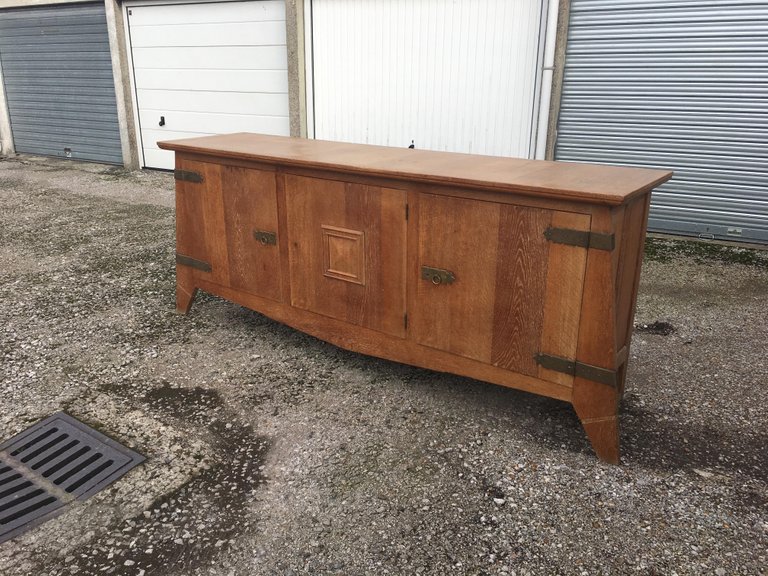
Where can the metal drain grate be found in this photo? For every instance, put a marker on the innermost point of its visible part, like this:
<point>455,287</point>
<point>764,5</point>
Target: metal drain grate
<point>55,462</point>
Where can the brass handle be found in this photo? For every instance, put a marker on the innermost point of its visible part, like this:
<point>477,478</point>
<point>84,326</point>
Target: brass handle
<point>437,276</point>
<point>266,238</point>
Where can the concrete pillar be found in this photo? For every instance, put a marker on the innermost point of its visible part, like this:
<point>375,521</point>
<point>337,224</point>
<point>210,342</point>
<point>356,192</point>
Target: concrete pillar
<point>118,49</point>
<point>6,136</point>
<point>558,70</point>
<point>297,93</point>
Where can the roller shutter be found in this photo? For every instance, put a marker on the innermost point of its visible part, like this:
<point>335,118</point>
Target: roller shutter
<point>681,85</point>
<point>57,73</point>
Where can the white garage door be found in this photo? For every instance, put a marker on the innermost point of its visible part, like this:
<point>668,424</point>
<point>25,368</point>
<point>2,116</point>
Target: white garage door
<point>457,76</point>
<point>208,68</point>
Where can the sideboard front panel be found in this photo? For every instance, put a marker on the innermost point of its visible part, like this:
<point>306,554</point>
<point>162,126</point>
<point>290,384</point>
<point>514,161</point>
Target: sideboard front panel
<point>493,308</point>
<point>250,212</point>
<point>455,312</point>
<point>200,230</point>
<point>346,245</point>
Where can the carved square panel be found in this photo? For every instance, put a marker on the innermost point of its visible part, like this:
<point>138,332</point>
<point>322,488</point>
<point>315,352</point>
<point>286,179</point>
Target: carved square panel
<point>344,254</point>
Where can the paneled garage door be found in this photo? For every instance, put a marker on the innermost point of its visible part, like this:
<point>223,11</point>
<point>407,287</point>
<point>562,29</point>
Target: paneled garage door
<point>458,76</point>
<point>208,68</point>
<point>59,86</point>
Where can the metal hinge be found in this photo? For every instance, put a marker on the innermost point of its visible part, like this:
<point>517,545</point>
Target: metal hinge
<point>192,262</point>
<point>575,368</point>
<point>405,320</point>
<point>594,240</point>
<point>407,211</point>
<point>188,176</point>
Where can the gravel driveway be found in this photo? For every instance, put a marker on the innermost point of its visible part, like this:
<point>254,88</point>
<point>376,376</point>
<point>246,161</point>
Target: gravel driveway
<point>271,452</point>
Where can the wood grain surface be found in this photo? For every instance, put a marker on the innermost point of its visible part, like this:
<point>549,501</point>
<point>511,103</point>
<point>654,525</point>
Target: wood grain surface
<point>587,182</point>
<point>597,404</point>
<point>459,236</point>
<point>383,345</point>
<point>250,205</point>
<point>376,216</point>
<point>562,296</point>
<point>200,227</point>
<point>493,311</point>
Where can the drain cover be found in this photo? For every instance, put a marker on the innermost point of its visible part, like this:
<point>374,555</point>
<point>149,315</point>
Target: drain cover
<point>53,463</point>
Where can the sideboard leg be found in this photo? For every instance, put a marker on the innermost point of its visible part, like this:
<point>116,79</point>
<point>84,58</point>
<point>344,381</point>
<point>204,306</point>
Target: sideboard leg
<point>184,299</point>
<point>598,410</point>
<point>185,291</point>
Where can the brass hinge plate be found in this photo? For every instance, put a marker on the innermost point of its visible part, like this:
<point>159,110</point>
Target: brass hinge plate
<point>188,176</point>
<point>192,262</point>
<point>265,238</point>
<point>583,239</point>
<point>575,368</point>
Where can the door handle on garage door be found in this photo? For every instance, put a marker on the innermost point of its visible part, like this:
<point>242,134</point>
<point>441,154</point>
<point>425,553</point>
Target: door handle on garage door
<point>162,120</point>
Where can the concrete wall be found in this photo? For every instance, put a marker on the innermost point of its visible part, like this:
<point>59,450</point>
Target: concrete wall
<point>123,92</point>
<point>297,92</point>
<point>6,137</point>
<point>563,21</point>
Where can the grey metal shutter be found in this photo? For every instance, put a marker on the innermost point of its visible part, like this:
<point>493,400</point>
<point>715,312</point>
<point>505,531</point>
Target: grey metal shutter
<point>58,80</point>
<point>679,84</point>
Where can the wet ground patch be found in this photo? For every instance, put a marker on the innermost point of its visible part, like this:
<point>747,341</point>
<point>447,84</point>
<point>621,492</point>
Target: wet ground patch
<point>184,532</point>
<point>196,404</point>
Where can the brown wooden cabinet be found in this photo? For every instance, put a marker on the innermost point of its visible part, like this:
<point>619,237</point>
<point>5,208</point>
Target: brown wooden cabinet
<point>517,272</point>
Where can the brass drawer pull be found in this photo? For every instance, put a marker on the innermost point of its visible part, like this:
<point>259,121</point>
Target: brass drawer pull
<point>437,276</point>
<point>266,238</point>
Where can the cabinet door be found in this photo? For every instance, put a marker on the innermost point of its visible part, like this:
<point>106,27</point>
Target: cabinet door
<point>227,226</point>
<point>495,305</point>
<point>200,243</point>
<point>347,251</point>
<point>250,213</point>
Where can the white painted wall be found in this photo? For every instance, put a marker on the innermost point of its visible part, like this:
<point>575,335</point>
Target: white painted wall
<point>460,76</point>
<point>207,68</point>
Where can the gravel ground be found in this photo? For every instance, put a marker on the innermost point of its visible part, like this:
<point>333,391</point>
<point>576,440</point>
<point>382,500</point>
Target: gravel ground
<point>270,452</point>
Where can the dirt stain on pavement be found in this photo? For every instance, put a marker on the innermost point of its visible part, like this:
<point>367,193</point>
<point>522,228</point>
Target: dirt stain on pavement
<point>184,532</point>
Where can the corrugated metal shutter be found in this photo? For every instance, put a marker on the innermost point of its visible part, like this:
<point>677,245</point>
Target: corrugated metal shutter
<point>457,76</point>
<point>58,81</point>
<point>675,84</point>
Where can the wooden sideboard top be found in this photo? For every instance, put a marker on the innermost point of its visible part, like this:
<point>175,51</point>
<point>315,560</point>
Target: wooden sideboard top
<point>586,182</point>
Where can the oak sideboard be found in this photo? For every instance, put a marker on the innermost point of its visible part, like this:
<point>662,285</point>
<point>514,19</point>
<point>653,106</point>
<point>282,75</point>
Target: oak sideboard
<point>522,273</point>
